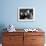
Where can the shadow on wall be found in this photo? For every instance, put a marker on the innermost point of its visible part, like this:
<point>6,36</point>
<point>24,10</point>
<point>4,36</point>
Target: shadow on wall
<point>2,26</point>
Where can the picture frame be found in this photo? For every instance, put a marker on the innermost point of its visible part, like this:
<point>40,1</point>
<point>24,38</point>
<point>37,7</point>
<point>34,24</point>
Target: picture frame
<point>26,14</point>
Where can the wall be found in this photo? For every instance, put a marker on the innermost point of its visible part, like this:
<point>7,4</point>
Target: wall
<point>8,13</point>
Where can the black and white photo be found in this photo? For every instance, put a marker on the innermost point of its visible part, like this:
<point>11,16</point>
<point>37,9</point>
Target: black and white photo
<point>26,14</point>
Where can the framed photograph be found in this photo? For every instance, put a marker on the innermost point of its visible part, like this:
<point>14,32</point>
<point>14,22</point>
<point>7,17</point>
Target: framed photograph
<point>26,14</point>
